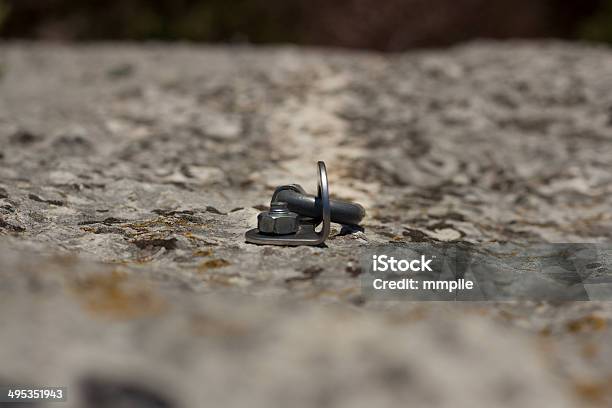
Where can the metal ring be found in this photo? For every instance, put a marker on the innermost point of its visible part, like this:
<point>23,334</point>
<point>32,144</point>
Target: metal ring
<point>323,196</point>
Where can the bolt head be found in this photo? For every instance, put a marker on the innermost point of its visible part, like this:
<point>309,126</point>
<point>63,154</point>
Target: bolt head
<point>279,207</point>
<point>278,223</point>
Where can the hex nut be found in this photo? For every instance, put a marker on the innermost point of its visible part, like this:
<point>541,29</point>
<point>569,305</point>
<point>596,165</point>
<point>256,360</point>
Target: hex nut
<point>278,223</point>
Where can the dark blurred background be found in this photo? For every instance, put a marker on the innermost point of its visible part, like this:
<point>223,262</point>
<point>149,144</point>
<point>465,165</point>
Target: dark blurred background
<point>386,25</point>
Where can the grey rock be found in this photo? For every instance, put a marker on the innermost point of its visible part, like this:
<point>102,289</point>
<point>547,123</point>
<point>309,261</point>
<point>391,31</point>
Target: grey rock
<point>125,194</point>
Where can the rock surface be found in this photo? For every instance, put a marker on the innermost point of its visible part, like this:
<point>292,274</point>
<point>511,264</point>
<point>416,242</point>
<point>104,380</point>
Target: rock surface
<point>129,173</point>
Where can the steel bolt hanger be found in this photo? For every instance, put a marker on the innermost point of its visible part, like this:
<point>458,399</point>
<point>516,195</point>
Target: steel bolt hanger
<point>278,226</point>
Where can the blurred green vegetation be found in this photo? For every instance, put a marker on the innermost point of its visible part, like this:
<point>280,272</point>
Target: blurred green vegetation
<point>210,21</point>
<point>389,25</point>
<point>195,20</point>
<point>4,12</point>
<point>598,27</point>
